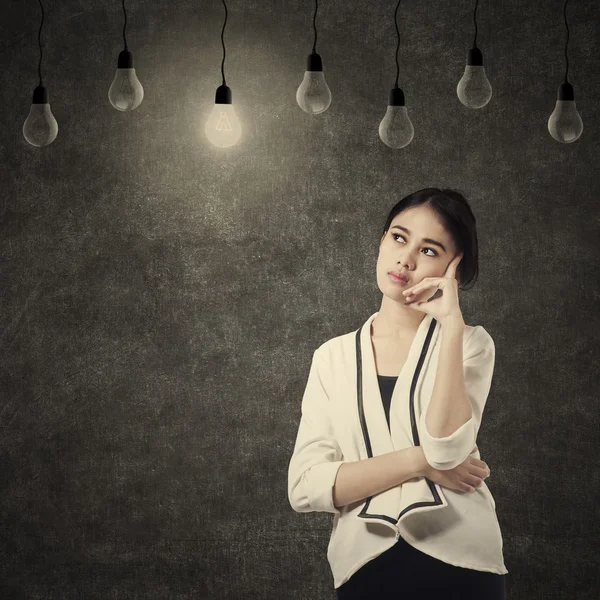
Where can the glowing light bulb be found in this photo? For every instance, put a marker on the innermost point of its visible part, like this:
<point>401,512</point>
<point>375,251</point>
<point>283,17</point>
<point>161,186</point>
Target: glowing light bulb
<point>40,127</point>
<point>313,95</point>
<point>126,91</point>
<point>565,124</point>
<point>474,89</point>
<point>223,128</point>
<point>396,129</point>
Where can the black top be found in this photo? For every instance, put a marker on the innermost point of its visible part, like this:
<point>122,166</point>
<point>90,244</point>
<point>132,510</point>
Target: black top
<point>386,387</point>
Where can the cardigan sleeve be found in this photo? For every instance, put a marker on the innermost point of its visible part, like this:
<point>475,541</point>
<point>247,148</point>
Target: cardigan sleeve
<point>478,362</point>
<point>317,455</point>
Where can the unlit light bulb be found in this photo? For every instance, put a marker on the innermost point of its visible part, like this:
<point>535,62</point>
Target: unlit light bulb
<point>396,129</point>
<point>126,91</point>
<point>565,124</point>
<point>40,127</point>
<point>474,89</point>
<point>313,95</point>
<point>223,128</point>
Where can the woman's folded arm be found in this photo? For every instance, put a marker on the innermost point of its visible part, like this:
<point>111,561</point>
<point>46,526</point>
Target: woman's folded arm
<point>319,479</point>
<point>447,452</point>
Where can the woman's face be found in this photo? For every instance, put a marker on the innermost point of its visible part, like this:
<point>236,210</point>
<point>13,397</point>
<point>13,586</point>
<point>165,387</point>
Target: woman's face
<point>409,247</point>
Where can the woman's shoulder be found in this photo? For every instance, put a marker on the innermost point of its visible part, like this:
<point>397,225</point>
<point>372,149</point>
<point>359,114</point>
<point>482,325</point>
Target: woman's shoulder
<point>477,339</point>
<point>476,332</point>
<point>336,347</point>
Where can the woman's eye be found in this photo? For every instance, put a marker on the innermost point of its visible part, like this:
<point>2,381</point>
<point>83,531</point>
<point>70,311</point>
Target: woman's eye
<point>397,235</point>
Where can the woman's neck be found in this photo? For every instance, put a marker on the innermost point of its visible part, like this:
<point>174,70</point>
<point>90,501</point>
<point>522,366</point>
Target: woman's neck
<point>395,320</point>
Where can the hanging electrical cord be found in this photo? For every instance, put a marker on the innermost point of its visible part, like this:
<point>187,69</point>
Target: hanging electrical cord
<point>223,43</point>
<point>40,44</point>
<point>314,48</point>
<point>124,25</point>
<point>567,42</point>
<point>475,23</point>
<point>398,44</point>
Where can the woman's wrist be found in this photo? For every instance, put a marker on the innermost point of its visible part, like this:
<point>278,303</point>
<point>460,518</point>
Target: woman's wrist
<point>421,466</point>
<point>454,321</point>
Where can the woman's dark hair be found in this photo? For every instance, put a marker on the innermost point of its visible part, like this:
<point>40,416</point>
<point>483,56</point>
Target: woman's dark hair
<point>456,216</point>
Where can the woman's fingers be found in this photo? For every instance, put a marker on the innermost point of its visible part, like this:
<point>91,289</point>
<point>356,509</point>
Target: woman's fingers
<point>473,482</point>
<point>479,463</point>
<point>476,474</point>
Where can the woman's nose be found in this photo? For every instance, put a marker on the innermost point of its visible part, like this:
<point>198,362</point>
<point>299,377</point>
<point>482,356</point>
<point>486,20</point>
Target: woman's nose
<point>405,260</point>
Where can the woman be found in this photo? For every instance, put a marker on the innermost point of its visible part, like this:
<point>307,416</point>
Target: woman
<point>390,416</point>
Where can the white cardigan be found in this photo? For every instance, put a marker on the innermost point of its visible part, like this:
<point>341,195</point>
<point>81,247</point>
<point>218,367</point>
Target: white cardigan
<point>343,419</point>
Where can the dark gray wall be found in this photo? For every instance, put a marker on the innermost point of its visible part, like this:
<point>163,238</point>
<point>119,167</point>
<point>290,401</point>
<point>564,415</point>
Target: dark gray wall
<point>161,298</point>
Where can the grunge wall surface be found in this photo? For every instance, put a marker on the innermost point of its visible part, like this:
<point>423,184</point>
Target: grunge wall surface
<point>160,298</point>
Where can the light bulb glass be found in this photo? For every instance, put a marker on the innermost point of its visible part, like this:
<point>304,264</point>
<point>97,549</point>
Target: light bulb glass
<point>126,91</point>
<point>313,94</point>
<point>474,89</point>
<point>40,127</point>
<point>223,128</point>
<point>396,129</point>
<point>565,124</point>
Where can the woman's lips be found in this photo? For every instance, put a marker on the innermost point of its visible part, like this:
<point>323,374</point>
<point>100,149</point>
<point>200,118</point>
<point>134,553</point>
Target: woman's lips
<point>397,278</point>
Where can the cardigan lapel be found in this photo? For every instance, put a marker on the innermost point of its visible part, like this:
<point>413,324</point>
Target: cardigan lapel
<point>379,435</point>
<point>417,493</point>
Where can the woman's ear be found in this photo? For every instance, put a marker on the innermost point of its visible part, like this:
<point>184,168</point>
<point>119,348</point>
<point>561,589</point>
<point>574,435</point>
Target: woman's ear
<point>459,269</point>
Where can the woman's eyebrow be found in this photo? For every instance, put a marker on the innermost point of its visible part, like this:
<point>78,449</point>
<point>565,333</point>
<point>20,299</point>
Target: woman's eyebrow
<point>428,240</point>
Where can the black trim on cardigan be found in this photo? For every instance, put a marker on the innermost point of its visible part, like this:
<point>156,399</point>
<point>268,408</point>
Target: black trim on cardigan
<point>413,423</point>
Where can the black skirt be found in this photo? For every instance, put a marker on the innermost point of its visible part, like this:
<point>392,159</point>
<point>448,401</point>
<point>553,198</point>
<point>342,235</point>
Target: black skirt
<point>403,572</point>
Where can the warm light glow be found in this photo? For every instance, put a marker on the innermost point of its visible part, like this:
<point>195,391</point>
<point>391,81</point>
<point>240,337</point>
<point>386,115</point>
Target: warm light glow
<point>223,128</point>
